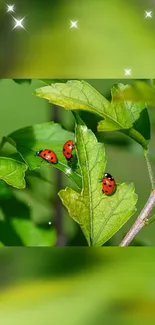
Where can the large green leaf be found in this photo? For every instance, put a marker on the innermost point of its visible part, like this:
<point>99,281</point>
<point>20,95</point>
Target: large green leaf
<point>12,172</point>
<point>50,135</point>
<point>122,114</point>
<point>99,216</point>
<point>79,95</point>
<point>74,95</point>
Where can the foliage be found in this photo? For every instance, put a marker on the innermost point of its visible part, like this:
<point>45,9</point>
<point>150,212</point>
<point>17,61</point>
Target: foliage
<point>99,216</point>
<point>79,95</point>
<point>12,172</point>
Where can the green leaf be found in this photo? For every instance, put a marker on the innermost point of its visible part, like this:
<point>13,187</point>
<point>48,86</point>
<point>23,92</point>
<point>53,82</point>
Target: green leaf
<point>79,95</point>
<point>21,81</point>
<point>138,93</point>
<point>143,126</point>
<point>50,135</point>
<point>23,232</point>
<point>99,216</point>
<point>4,190</point>
<point>31,234</point>
<point>12,172</point>
<point>122,114</point>
<point>74,95</point>
<point>18,229</point>
<point>132,118</point>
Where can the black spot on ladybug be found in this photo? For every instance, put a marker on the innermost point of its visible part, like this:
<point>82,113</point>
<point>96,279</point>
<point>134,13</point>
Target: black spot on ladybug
<point>44,154</point>
<point>68,145</point>
<point>106,191</point>
<point>68,153</point>
<point>49,151</point>
<point>105,183</point>
<point>110,185</point>
<point>64,149</point>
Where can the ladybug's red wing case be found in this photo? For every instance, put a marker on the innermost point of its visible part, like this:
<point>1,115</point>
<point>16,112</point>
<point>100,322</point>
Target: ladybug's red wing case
<point>108,184</point>
<point>67,149</point>
<point>48,155</point>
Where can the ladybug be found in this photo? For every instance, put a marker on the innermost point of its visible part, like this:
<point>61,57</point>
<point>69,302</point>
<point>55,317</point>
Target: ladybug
<point>48,155</point>
<point>67,149</point>
<point>108,184</point>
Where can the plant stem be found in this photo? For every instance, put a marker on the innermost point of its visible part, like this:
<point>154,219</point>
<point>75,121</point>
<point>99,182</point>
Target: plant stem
<point>140,221</point>
<point>149,169</point>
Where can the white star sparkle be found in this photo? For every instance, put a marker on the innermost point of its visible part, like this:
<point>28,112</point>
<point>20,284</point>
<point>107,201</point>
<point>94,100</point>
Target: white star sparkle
<point>18,23</point>
<point>68,171</point>
<point>73,24</point>
<point>10,8</point>
<point>148,14</point>
<point>50,223</point>
<point>127,72</point>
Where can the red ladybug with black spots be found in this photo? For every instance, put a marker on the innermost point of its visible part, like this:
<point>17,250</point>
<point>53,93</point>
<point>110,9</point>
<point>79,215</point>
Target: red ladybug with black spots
<point>108,184</point>
<point>67,149</point>
<point>48,155</point>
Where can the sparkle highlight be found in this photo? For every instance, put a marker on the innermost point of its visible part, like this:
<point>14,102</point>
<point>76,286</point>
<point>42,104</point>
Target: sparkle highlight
<point>18,23</point>
<point>68,171</point>
<point>10,8</point>
<point>148,14</point>
<point>127,72</point>
<point>73,24</point>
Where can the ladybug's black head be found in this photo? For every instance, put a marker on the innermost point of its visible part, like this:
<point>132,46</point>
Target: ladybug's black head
<point>106,175</point>
<point>38,153</point>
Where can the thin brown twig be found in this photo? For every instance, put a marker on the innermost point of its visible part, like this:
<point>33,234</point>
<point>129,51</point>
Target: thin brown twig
<point>140,221</point>
<point>150,172</point>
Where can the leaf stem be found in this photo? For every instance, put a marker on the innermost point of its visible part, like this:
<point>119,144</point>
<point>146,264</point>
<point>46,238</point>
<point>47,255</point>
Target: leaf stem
<point>140,221</point>
<point>149,169</point>
<point>135,135</point>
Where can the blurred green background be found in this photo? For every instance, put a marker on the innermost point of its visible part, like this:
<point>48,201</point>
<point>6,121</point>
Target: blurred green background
<point>74,286</point>
<point>111,36</point>
<point>39,202</point>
